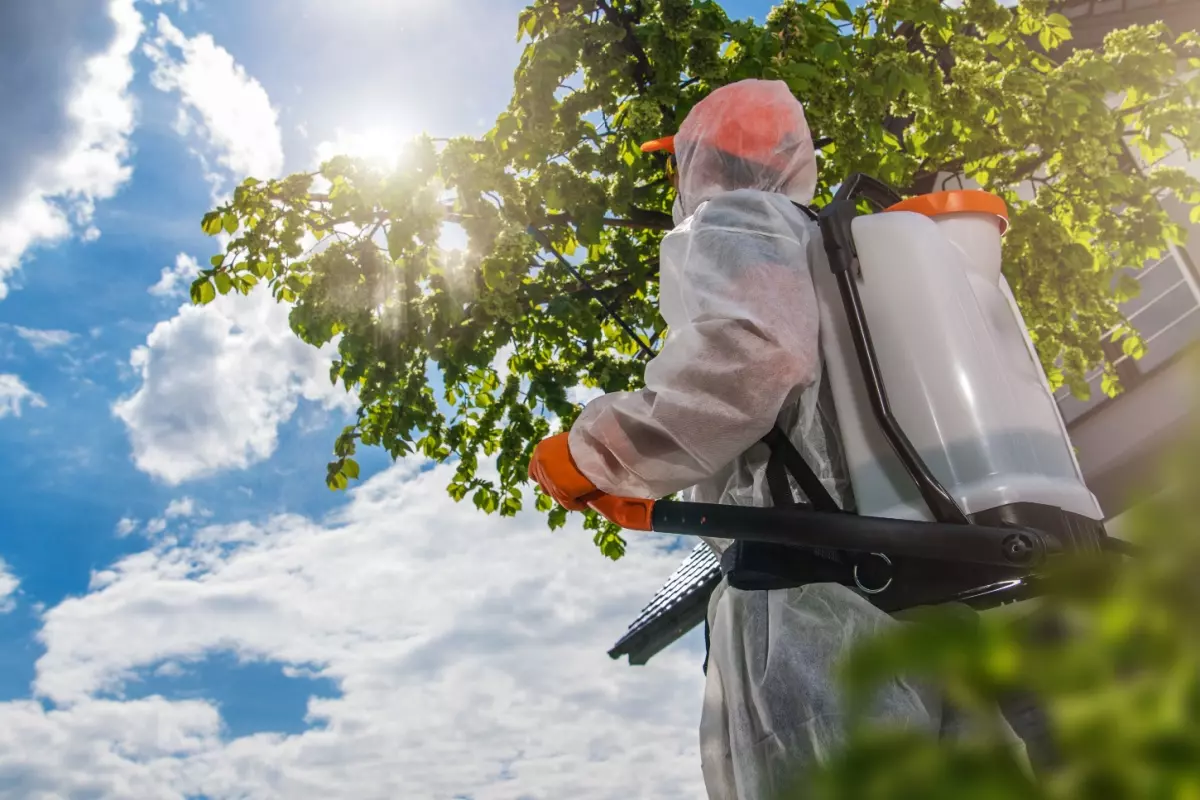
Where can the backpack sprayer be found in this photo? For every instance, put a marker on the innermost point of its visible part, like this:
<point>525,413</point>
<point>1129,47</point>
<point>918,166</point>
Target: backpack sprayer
<point>964,479</point>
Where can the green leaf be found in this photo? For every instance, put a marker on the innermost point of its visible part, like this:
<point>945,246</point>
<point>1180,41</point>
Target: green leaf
<point>350,468</point>
<point>1194,215</point>
<point>217,260</point>
<point>1133,347</point>
<point>224,284</point>
<point>610,542</point>
<point>230,223</point>
<point>1047,38</point>
<point>506,126</point>
<point>211,224</point>
<point>827,51</point>
<point>202,292</point>
<point>485,500</point>
<point>525,23</point>
<point>1028,24</point>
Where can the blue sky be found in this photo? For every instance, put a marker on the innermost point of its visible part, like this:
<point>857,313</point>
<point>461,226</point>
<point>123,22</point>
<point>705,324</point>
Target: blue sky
<point>187,611</point>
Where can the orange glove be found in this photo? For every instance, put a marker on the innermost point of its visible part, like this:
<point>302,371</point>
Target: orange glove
<point>554,470</point>
<point>631,513</point>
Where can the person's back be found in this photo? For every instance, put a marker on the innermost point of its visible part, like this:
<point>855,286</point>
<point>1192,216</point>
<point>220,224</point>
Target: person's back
<point>742,356</point>
<point>792,240</point>
<point>736,292</point>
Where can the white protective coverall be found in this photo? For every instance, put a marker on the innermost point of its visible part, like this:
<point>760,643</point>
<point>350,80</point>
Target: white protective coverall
<point>742,355</point>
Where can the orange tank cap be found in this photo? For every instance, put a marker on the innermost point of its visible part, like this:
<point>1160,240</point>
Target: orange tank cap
<point>956,202</point>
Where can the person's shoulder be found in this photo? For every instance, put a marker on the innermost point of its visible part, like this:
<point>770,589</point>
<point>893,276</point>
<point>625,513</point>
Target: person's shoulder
<point>751,210</point>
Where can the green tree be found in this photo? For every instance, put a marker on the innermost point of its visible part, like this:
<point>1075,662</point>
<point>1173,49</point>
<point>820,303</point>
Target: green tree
<point>1121,689</point>
<point>906,89</point>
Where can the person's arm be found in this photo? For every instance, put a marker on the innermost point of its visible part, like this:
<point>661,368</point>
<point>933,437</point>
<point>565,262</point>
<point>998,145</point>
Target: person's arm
<point>739,300</point>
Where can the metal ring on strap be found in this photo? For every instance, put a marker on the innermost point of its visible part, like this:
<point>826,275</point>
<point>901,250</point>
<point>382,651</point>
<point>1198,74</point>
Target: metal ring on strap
<point>864,589</point>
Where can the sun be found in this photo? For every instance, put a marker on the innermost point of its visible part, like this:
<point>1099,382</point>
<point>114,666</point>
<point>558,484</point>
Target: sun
<point>381,146</point>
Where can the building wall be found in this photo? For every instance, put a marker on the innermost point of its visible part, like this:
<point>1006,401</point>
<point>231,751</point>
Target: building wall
<point>1120,440</point>
<point>1091,20</point>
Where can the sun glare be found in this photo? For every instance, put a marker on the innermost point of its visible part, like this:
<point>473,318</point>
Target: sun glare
<point>380,146</point>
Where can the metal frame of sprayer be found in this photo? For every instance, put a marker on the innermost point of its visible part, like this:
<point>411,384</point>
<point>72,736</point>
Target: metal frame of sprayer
<point>982,560</point>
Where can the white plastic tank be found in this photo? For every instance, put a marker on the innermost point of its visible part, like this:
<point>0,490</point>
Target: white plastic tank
<point>961,373</point>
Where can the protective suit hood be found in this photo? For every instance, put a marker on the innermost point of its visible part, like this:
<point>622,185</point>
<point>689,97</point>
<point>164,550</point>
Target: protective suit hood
<point>747,135</point>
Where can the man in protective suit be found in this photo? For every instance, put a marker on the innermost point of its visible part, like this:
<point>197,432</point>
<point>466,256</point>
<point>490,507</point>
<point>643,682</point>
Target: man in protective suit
<point>742,357</point>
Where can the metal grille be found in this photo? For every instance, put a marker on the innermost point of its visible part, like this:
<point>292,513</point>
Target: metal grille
<point>691,583</point>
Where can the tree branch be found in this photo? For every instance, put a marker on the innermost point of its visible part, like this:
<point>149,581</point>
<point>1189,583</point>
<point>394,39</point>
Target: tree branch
<point>926,177</point>
<point>640,219</point>
<point>643,73</point>
<point>1031,169</point>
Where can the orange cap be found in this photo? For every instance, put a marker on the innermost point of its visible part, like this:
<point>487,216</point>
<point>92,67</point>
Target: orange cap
<point>665,143</point>
<point>956,202</point>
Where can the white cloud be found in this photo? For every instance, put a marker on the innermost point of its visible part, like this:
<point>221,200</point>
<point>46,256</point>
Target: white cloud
<point>469,652</point>
<point>8,588</point>
<point>175,280</point>
<point>500,361</point>
<point>181,507</point>
<point>217,381</point>
<point>13,393</point>
<point>89,163</point>
<point>228,108</point>
<point>582,395</point>
<point>44,339</point>
<point>170,669</point>
<point>126,526</point>
<point>55,753</point>
<point>178,509</point>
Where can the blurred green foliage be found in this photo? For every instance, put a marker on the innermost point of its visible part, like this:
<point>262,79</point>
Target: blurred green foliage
<point>1120,687</point>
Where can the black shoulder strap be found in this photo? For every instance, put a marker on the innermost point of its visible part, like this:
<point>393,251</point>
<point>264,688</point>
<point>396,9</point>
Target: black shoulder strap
<point>808,212</point>
<point>785,454</point>
<point>777,480</point>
